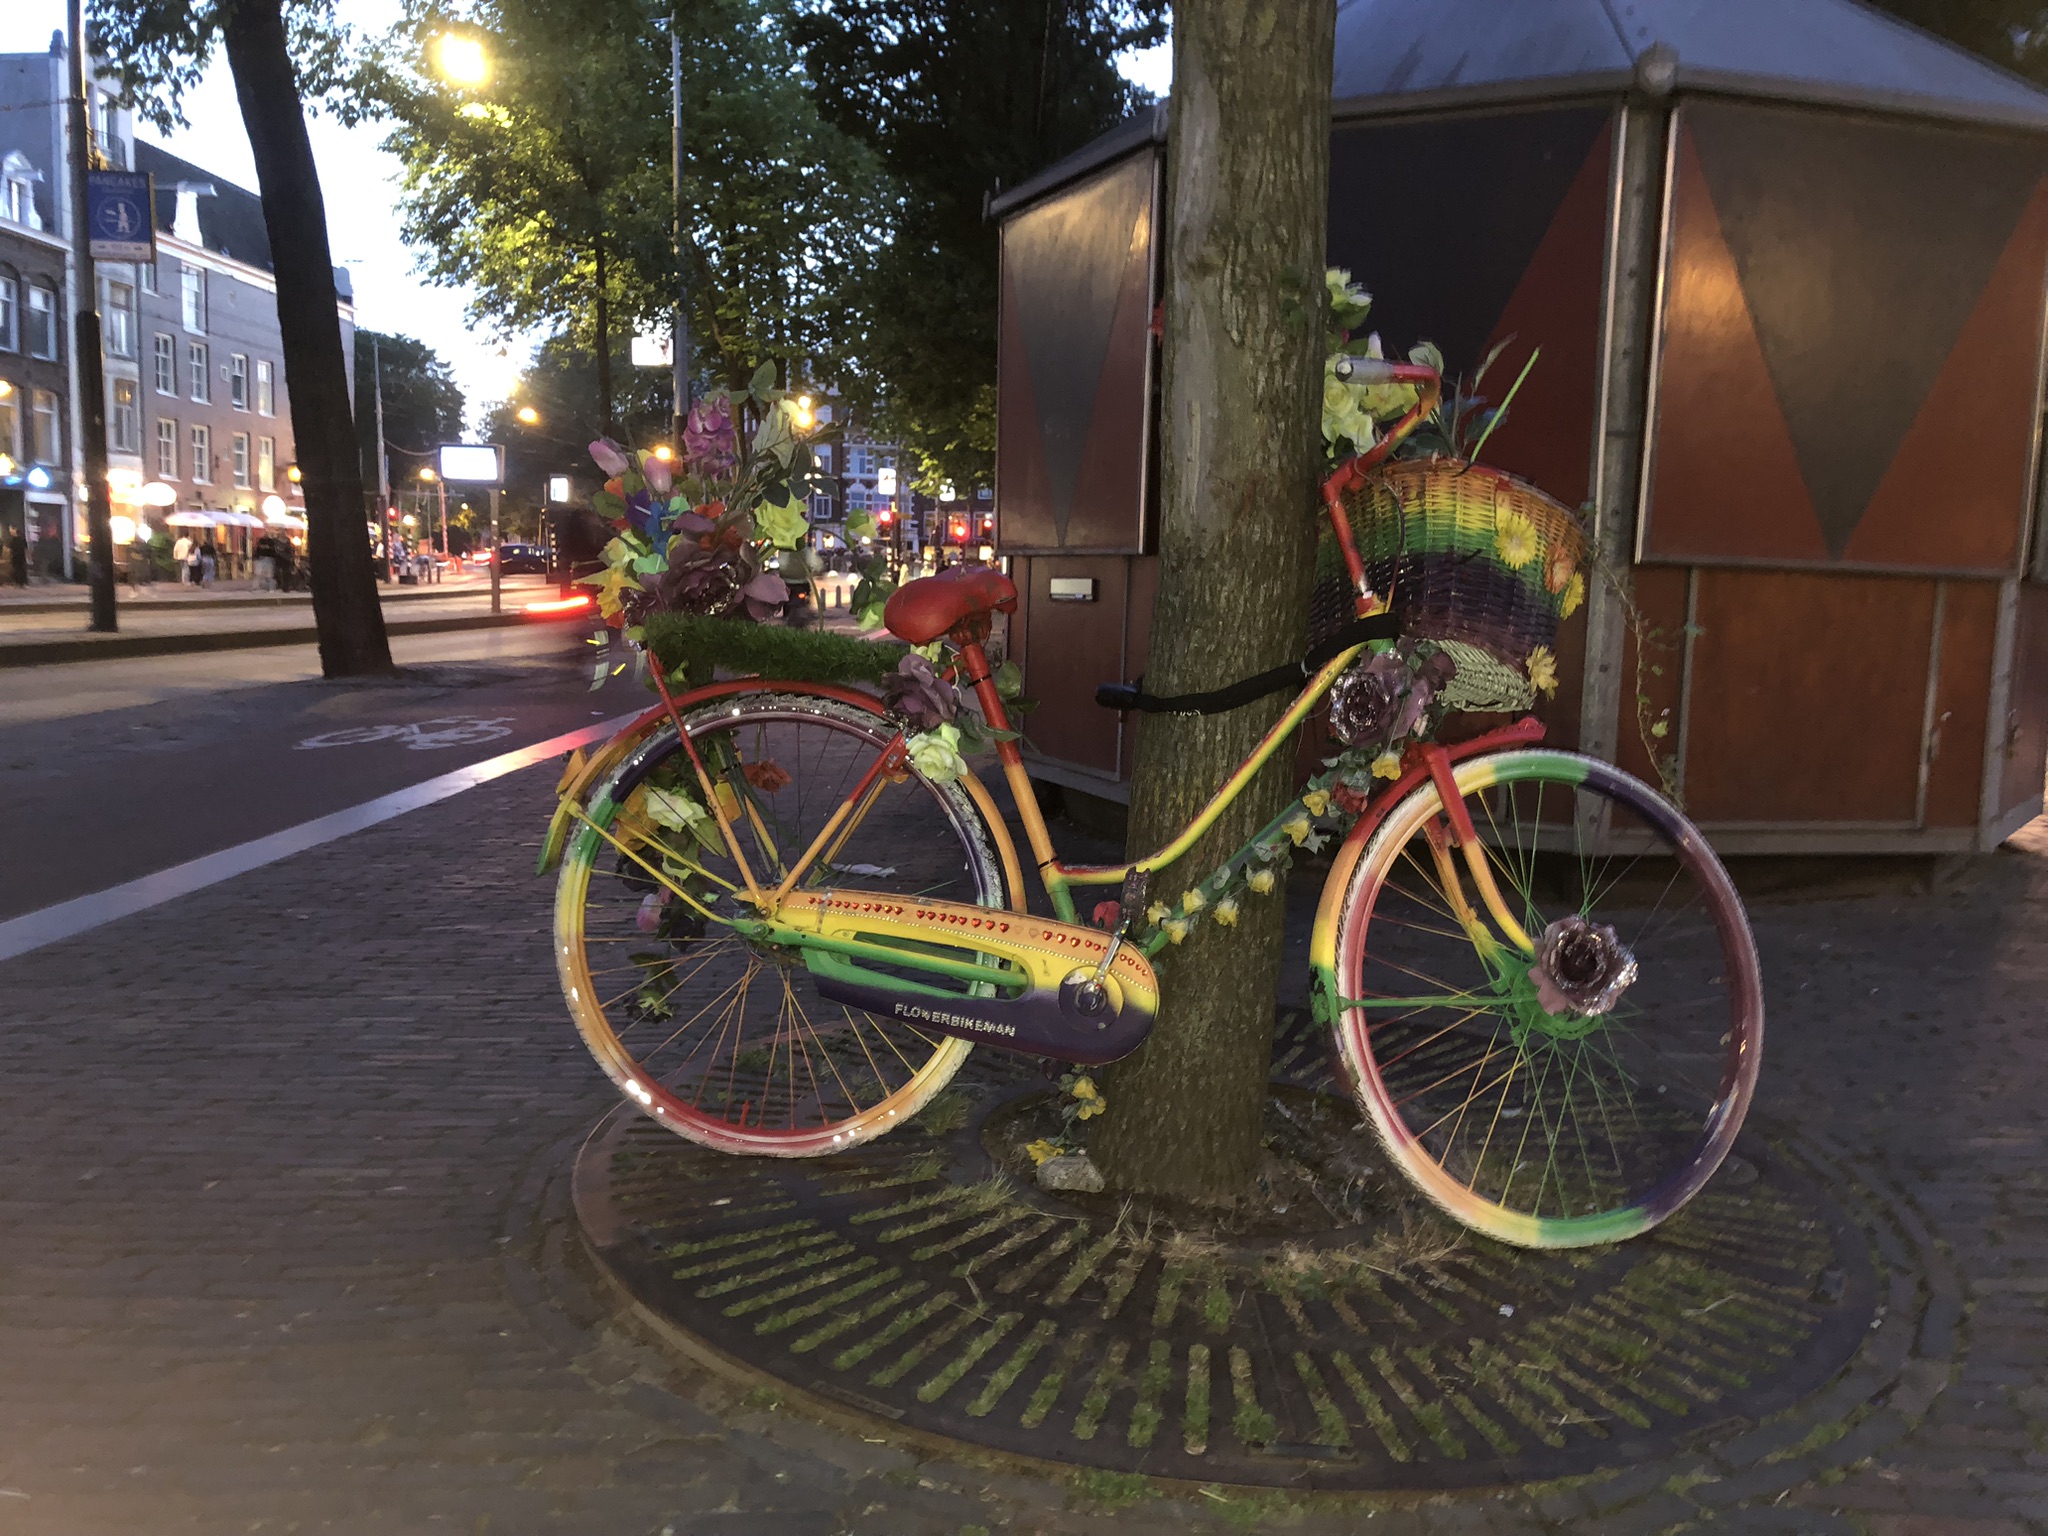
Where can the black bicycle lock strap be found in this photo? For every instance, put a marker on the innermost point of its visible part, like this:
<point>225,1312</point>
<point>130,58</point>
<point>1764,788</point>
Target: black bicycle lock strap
<point>1128,696</point>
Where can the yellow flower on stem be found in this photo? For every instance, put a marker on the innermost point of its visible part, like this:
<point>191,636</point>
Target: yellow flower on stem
<point>1193,901</point>
<point>1041,1152</point>
<point>1176,928</point>
<point>1156,914</point>
<point>1317,801</point>
<point>1226,911</point>
<point>1543,670</point>
<point>1090,1110</point>
<point>1260,881</point>
<point>1084,1088</point>
<point>1297,828</point>
<point>1514,539</point>
<point>1387,766</point>
<point>1574,595</point>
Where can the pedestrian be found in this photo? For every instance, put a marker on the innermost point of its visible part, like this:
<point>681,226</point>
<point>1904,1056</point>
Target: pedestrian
<point>207,565</point>
<point>266,564</point>
<point>17,557</point>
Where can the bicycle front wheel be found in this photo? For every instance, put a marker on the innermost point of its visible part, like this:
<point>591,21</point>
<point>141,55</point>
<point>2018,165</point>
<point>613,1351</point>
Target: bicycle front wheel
<point>721,1038</point>
<point>1577,1081</point>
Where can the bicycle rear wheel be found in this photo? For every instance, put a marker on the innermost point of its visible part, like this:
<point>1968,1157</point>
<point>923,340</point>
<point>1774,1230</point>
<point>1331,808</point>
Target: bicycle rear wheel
<point>1573,1095</point>
<point>720,1038</point>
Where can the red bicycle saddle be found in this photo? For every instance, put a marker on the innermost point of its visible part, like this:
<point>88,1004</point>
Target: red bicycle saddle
<point>922,610</point>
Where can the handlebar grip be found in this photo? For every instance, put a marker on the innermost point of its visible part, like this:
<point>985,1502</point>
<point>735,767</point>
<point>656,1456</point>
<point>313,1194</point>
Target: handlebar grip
<point>1118,696</point>
<point>1382,370</point>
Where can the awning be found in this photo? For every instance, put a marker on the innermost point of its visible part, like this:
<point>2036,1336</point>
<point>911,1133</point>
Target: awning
<point>240,520</point>
<point>286,520</point>
<point>192,520</point>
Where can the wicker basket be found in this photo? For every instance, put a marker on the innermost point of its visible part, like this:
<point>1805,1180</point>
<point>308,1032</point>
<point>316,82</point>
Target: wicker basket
<point>1467,554</point>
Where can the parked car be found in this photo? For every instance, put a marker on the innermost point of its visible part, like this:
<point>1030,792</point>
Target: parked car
<point>522,560</point>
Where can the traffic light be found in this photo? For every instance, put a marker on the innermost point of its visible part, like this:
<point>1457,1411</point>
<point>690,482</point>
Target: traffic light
<point>885,517</point>
<point>959,530</point>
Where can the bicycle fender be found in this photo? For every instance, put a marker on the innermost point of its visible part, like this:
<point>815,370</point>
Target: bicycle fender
<point>1036,1008</point>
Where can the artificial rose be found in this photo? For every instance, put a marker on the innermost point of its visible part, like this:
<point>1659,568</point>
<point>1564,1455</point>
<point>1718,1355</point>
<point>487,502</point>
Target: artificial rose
<point>610,458</point>
<point>765,595</point>
<point>916,694</point>
<point>936,754</point>
<point>654,469</point>
<point>1581,967</point>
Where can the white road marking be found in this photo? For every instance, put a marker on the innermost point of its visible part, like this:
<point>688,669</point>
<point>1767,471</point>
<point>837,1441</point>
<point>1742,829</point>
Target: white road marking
<point>423,736</point>
<point>67,919</point>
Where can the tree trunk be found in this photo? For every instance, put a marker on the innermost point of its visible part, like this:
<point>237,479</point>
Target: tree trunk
<point>345,606</point>
<point>1247,190</point>
<point>603,323</point>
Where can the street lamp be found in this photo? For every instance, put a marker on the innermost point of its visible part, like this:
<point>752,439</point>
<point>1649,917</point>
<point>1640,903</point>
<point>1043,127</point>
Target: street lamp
<point>461,60</point>
<point>427,474</point>
<point>528,416</point>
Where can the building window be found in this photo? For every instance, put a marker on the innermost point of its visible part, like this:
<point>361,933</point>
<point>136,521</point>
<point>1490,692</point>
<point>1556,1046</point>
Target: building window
<point>202,383</point>
<point>166,365</point>
<point>145,275</point>
<point>18,191</point>
<point>10,315</point>
<point>166,448</point>
<point>10,421</point>
<point>266,389</point>
<point>241,446</point>
<point>860,460</point>
<point>202,455</point>
<point>42,321</point>
<point>117,315</point>
<point>192,289</point>
<point>43,421</point>
<point>266,463</point>
<point>121,420</point>
<point>238,381</point>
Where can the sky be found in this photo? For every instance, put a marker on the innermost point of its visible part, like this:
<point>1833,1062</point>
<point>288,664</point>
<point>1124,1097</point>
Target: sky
<point>360,180</point>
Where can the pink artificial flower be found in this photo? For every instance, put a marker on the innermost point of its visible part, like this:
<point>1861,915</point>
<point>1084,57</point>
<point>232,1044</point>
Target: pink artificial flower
<point>609,457</point>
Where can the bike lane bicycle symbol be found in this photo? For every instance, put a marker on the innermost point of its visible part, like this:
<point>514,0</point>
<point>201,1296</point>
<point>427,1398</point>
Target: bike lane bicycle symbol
<point>419,736</point>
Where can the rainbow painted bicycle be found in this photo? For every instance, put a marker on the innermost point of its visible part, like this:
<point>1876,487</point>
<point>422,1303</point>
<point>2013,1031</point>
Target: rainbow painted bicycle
<point>781,930</point>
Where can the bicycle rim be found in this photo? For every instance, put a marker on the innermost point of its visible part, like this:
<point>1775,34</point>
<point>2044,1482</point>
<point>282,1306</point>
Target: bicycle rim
<point>722,1039</point>
<point>1523,1116</point>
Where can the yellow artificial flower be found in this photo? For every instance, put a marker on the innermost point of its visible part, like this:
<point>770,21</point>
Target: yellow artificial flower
<point>1260,881</point>
<point>1090,1110</point>
<point>1514,539</point>
<point>1041,1152</point>
<point>1387,766</point>
<point>1084,1088</point>
<point>1317,801</point>
<point>1157,914</point>
<point>1176,928</point>
<point>1297,828</point>
<point>1561,570</point>
<point>1226,911</point>
<point>1193,901</point>
<point>1543,670</point>
<point>1574,595</point>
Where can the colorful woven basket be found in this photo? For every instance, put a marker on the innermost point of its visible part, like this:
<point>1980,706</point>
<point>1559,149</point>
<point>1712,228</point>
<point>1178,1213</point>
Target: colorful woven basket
<point>1466,553</point>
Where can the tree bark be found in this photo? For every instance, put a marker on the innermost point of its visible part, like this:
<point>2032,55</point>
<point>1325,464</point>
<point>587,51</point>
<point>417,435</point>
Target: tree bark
<point>1247,214</point>
<point>603,325</point>
<point>345,606</point>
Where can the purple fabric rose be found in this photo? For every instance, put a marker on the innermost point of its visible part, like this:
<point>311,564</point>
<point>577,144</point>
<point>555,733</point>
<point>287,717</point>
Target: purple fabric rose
<point>708,438</point>
<point>1581,967</point>
<point>916,694</point>
<point>611,458</point>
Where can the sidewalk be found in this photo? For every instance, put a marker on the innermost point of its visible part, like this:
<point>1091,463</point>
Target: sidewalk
<point>72,597</point>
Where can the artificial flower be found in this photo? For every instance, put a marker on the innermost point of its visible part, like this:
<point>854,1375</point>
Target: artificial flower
<point>1106,913</point>
<point>765,595</point>
<point>1157,914</point>
<point>916,693</point>
<point>1581,967</point>
<point>1574,595</point>
<point>610,458</point>
<point>1226,909</point>
<point>648,918</point>
<point>708,440</point>
<point>768,776</point>
<point>1514,539</point>
<point>1561,569</point>
<point>1175,928</point>
<point>1084,1088</point>
<point>1317,801</point>
<point>1090,1110</point>
<point>1543,670</point>
<point>1259,880</point>
<point>1387,766</point>
<point>1193,901</point>
<point>1040,1152</point>
<point>936,754</point>
<point>1297,827</point>
<point>656,472</point>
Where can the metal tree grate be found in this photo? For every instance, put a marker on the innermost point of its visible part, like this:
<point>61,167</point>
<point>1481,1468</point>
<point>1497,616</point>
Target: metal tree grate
<point>901,1279</point>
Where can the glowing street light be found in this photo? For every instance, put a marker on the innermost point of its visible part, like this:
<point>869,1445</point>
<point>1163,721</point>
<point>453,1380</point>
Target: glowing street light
<point>461,60</point>
<point>528,415</point>
<point>663,452</point>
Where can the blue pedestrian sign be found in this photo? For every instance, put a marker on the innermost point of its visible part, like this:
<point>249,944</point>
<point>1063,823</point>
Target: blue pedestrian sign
<point>120,216</point>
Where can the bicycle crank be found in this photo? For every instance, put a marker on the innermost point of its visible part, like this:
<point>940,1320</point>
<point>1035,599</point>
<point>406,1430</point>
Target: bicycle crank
<point>986,974</point>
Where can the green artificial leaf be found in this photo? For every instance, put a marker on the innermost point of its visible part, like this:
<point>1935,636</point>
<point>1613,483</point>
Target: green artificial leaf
<point>1427,355</point>
<point>762,385</point>
<point>650,565</point>
<point>781,523</point>
<point>772,439</point>
<point>608,505</point>
<point>1009,680</point>
<point>861,525</point>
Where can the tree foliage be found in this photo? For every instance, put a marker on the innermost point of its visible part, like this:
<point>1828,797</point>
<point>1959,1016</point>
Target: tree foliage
<point>422,402</point>
<point>521,186</point>
<point>959,98</point>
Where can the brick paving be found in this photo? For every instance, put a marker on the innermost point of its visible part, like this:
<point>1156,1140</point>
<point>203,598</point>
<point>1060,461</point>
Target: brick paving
<point>285,1245</point>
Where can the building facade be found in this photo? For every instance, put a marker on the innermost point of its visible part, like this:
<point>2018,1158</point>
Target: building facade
<point>199,436</point>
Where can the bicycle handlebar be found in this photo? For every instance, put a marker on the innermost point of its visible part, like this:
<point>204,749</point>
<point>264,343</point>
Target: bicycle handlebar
<point>1380,370</point>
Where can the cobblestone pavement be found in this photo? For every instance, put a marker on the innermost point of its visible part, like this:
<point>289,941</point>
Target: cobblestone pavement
<point>285,1247</point>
